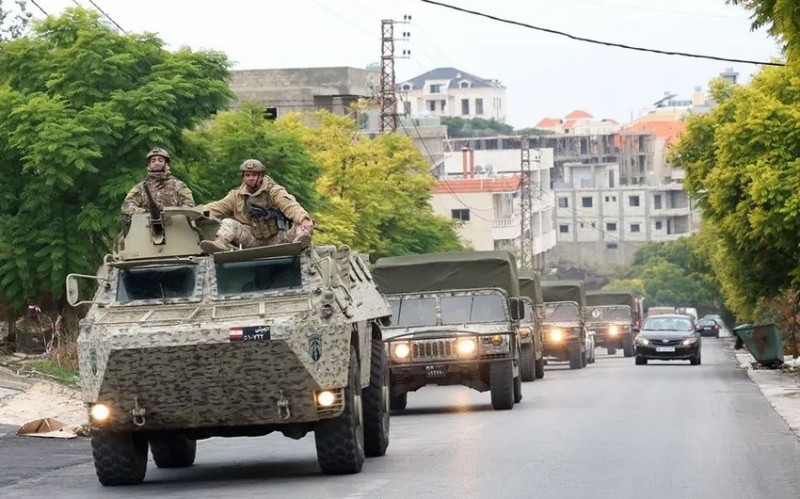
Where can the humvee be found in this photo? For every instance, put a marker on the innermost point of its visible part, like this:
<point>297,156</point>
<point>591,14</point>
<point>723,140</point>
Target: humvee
<point>179,346</point>
<point>531,359</point>
<point>565,335</point>
<point>612,315</point>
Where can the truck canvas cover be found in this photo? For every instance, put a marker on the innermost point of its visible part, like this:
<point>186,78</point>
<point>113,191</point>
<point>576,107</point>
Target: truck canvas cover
<point>608,297</point>
<point>447,271</point>
<point>564,291</point>
<point>530,286</point>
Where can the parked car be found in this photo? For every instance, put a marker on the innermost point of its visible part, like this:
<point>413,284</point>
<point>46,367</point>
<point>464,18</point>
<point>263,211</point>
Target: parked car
<point>668,337</point>
<point>717,318</point>
<point>708,327</point>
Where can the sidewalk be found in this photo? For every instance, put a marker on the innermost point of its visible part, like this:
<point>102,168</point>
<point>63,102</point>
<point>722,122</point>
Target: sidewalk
<point>25,399</point>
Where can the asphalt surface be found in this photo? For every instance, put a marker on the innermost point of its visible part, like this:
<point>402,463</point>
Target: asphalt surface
<point>612,430</point>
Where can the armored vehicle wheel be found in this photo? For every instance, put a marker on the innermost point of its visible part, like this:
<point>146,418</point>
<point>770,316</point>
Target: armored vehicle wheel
<point>627,346</point>
<point>398,402</point>
<point>119,458</point>
<point>376,403</point>
<point>576,357</point>
<point>501,384</point>
<point>592,356</point>
<point>526,361</point>
<point>539,369</point>
<point>340,441</point>
<point>611,350</point>
<point>517,390</point>
<point>173,450</point>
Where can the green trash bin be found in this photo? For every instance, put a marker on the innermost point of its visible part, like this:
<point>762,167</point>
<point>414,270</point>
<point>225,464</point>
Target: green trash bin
<point>763,341</point>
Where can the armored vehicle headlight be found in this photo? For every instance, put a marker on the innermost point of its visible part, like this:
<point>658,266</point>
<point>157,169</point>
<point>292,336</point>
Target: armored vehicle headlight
<point>497,339</point>
<point>100,412</point>
<point>613,330</point>
<point>556,334</point>
<point>524,332</point>
<point>326,398</point>
<point>401,350</point>
<point>467,346</point>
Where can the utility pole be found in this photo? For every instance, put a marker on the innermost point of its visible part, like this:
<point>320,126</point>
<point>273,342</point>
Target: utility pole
<point>526,206</point>
<point>388,81</point>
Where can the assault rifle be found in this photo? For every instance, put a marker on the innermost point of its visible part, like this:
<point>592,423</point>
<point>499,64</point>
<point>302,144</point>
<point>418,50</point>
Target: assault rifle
<point>156,223</point>
<point>267,213</point>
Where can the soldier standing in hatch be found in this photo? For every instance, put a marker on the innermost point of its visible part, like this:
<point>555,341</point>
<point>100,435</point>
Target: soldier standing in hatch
<point>241,227</point>
<point>165,189</point>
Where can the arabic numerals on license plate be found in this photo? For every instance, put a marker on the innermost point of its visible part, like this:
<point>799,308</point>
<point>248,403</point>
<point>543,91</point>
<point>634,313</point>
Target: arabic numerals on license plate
<point>250,333</point>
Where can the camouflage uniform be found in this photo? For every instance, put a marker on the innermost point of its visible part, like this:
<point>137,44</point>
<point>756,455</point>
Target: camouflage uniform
<point>239,228</point>
<point>165,189</point>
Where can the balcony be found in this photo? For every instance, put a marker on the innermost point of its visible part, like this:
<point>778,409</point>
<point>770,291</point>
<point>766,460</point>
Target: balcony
<point>671,212</point>
<point>507,228</point>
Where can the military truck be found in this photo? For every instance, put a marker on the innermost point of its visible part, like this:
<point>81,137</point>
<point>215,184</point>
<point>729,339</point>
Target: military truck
<point>612,316</point>
<point>531,355</point>
<point>179,346</point>
<point>454,322</point>
<point>565,336</point>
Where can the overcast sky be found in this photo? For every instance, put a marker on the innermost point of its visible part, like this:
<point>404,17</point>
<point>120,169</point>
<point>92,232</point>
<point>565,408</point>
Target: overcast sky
<point>545,75</point>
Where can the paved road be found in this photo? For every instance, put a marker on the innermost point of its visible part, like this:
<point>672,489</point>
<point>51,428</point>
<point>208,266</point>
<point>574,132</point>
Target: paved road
<point>613,430</point>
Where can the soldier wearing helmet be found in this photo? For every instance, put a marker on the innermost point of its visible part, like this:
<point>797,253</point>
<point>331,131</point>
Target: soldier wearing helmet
<point>239,227</point>
<point>165,189</point>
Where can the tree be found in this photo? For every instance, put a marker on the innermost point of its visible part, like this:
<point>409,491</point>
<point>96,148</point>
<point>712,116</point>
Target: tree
<point>781,17</point>
<point>80,105</point>
<point>375,191</point>
<point>13,24</point>
<point>476,127</point>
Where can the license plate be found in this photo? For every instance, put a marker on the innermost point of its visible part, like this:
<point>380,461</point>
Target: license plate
<point>249,333</point>
<point>435,371</point>
<point>665,349</point>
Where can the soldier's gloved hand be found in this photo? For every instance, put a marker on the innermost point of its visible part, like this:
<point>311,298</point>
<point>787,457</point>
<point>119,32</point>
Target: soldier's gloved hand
<point>308,225</point>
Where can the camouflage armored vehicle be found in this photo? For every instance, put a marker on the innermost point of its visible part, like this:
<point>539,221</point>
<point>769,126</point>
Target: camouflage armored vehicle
<point>454,322</point>
<point>612,316</point>
<point>531,355</point>
<point>565,335</point>
<point>179,346</point>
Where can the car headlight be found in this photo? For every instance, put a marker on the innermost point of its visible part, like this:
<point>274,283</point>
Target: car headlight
<point>642,341</point>
<point>556,334</point>
<point>401,351</point>
<point>466,346</point>
<point>689,341</point>
<point>613,330</point>
<point>524,332</point>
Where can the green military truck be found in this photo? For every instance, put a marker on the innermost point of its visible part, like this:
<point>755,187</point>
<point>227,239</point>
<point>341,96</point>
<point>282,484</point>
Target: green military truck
<point>454,322</point>
<point>565,336</point>
<point>531,356</point>
<point>613,317</point>
<point>179,346</point>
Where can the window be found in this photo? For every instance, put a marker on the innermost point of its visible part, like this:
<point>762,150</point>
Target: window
<point>464,106</point>
<point>611,226</point>
<point>436,89</point>
<point>594,226</point>
<point>460,214</point>
<point>633,200</point>
<point>414,312</point>
<point>613,199</point>
<point>464,84</point>
<point>657,201</point>
<point>563,228</point>
<point>477,308</point>
<point>611,245</point>
<point>586,202</point>
<point>271,113</point>
<point>611,178</point>
<point>272,274</point>
<point>563,202</point>
<point>431,105</point>
<point>156,282</point>
<point>407,107</point>
<point>635,228</point>
<point>406,87</point>
<point>442,103</point>
<point>658,225</point>
<point>478,106</point>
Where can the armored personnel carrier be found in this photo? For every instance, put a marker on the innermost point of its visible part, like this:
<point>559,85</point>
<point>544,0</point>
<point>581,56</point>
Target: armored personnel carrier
<point>179,346</point>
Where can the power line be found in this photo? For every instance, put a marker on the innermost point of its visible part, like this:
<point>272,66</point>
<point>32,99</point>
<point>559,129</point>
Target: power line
<point>39,7</point>
<point>107,16</point>
<point>600,42</point>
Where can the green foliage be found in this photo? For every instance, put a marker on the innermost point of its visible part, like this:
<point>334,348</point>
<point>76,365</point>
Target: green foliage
<point>13,23</point>
<point>80,105</point>
<point>51,369</point>
<point>780,17</point>
<point>475,127</point>
<point>742,162</point>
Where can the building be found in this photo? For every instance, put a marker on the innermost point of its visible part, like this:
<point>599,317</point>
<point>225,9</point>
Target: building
<point>578,122</point>
<point>481,189</point>
<point>454,93</point>
<point>283,91</point>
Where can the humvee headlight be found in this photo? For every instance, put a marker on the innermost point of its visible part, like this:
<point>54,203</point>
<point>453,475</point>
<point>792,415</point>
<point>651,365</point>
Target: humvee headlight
<point>466,346</point>
<point>100,412</point>
<point>556,334</point>
<point>497,339</point>
<point>524,332</point>
<point>401,351</point>
<point>326,398</point>
<point>613,330</point>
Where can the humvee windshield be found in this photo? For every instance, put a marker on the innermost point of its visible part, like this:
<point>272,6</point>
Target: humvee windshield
<point>156,282</point>
<point>474,308</point>
<point>561,311</point>
<point>413,312</point>
<point>272,274</point>
<point>610,314</point>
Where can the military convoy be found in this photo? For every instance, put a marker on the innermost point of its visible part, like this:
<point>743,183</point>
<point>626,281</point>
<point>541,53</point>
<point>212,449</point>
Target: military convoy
<point>531,355</point>
<point>565,334</point>
<point>179,346</point>
<point>454,322</point>
<point>613,317</point>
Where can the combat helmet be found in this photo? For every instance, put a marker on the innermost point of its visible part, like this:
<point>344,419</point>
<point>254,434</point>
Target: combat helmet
<point>157,151</point>
<point>252,165</point>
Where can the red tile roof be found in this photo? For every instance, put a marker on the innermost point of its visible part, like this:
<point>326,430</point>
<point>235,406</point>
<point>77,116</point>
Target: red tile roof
<point>472,185</point>
<point>548,123</point>
<point>578,114</point>
<point>665,129</point>
<point>569,124</point>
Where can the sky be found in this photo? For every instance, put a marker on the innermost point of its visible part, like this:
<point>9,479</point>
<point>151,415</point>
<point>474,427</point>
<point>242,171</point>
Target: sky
<point>545,75</point>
